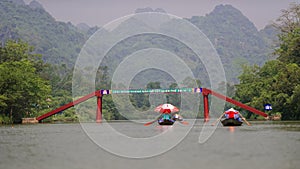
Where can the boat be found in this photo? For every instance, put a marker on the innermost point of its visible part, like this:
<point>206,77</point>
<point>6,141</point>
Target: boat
<point>167,116</point>
<point>231,122</point>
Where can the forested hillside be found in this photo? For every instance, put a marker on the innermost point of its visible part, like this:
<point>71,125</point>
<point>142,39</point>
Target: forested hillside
<point>236,38</point>
<point>58,42</point>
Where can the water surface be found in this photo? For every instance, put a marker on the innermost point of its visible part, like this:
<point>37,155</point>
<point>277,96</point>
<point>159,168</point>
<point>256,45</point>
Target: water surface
<point>264,145</point>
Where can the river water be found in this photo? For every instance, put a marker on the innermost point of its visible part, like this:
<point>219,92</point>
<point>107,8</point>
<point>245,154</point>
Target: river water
<point>264,145</point>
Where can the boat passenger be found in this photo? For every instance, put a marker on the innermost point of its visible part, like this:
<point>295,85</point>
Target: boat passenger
<point>176,117</point>
<point>165,117</point>
<point>233,114</point>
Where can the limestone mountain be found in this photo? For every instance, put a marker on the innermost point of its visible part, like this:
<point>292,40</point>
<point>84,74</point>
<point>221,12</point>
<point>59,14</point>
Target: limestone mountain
<point>148,9</point>
<point>234,36</point>
<point>58,42</point>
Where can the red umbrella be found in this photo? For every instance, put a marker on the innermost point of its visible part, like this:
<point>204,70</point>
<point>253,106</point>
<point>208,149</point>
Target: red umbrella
<point>166,108</point>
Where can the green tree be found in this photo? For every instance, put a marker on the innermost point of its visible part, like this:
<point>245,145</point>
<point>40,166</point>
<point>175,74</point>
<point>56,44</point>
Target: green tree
<point>22,91</point>
<point>289,19</point>
<point>289,25</point>
<point>277,82</point>
<point>174,98</point>
<point>18,50</point>
<point>248,87</point>
<point>293,109</point>
<point>289,51</point>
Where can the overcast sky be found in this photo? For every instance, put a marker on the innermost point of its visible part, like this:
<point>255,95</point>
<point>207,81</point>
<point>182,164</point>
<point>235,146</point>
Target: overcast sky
<point>101,12</point>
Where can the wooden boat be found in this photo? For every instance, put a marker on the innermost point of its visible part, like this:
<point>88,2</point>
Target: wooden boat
<point>231,122</point>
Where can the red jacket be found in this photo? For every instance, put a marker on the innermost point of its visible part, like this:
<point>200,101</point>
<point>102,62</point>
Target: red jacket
<point>231,114</point>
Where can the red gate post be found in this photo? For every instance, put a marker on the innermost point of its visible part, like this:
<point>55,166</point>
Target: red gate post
<point>99,109</point>
<point>206,105</point>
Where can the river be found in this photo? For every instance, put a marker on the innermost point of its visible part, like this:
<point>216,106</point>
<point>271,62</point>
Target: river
<point>264,145</point>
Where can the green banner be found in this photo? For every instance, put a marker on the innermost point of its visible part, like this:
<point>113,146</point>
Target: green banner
<point>132,91</point>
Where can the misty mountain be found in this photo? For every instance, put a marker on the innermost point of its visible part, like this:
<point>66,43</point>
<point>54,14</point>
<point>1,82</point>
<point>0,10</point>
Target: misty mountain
<point>234,36</point>
<point>17,2</point>
<point>269,35</point>
<point>86,29</point>
<point>35,4</point>
<point>58,42</point>
<point>148,9</point>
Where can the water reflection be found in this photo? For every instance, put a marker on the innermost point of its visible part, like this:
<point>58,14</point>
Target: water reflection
<point>231,129</point>
<point>164,128</point>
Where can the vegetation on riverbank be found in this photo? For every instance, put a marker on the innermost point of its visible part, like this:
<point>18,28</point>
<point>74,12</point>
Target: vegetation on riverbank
<point>278,81</point>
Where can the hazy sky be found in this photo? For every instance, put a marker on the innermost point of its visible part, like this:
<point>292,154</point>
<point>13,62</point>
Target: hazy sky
<point>101,12</point>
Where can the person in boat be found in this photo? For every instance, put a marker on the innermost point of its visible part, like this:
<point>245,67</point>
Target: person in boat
<point>233,114</point>
<point>176,117</point>
<point>165,117</point>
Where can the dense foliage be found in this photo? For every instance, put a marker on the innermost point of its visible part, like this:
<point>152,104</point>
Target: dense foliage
<point>22,90</point>
<point>278,81</point>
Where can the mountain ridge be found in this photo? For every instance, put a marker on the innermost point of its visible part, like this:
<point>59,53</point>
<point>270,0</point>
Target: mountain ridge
<point>234,36</point>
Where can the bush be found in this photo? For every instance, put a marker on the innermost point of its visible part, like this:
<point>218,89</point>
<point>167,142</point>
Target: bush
<point>4,119</point>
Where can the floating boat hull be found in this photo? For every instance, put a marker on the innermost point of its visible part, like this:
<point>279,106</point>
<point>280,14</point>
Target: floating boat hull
<point>231,122</point>
<point>165,122</point>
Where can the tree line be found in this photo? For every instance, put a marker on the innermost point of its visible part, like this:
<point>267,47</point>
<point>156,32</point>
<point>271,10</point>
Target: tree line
<point>29,87</point>
<point>277,82</point>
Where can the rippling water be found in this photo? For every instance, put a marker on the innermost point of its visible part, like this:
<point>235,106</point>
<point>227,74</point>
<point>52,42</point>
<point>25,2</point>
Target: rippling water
<point>264,145</point>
